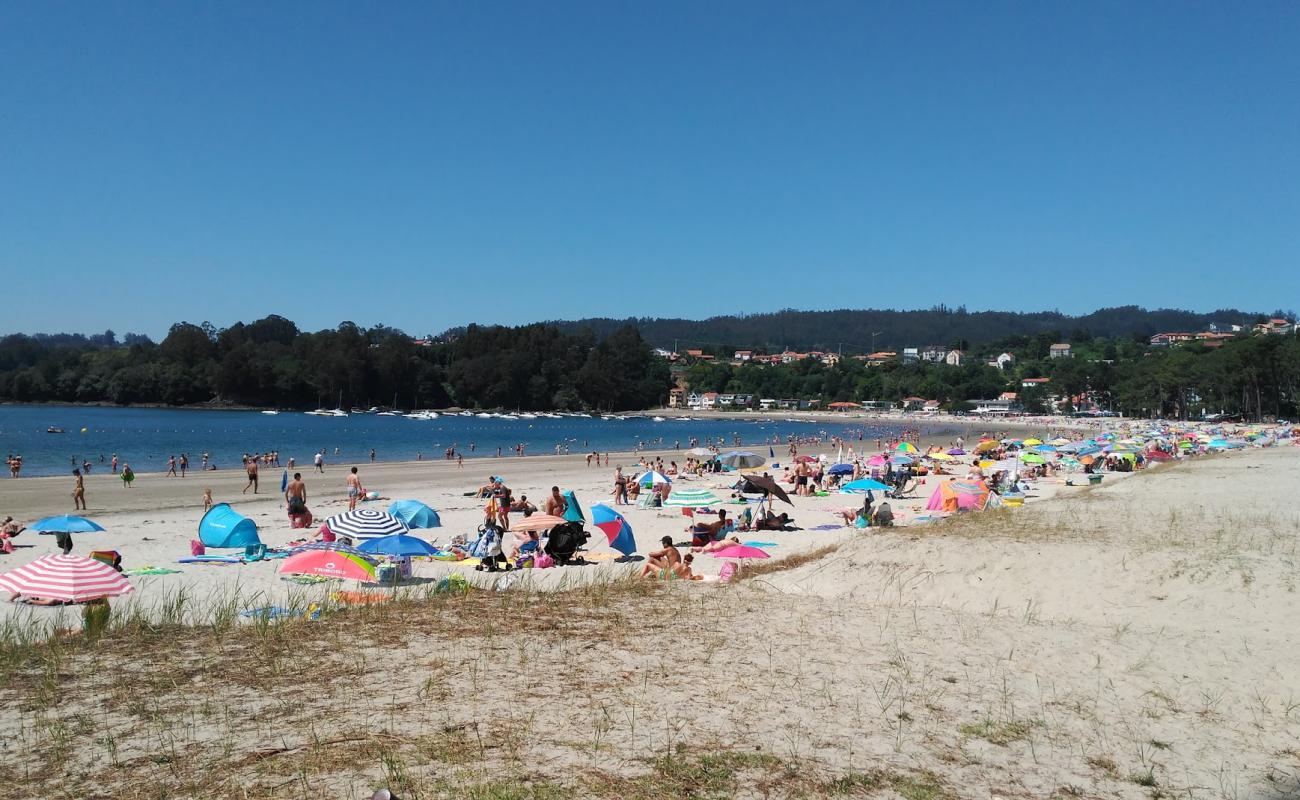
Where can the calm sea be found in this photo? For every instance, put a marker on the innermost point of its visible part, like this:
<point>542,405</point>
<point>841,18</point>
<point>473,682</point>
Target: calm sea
<point>145,437</point>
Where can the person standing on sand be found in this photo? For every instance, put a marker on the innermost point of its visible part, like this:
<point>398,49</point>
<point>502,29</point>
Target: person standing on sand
<point>115,463</point>
<point>295,495</point>
<point>185,464</point>
<point>78,491</point>
<point>460,461</point>
<point>127,475</point>
<point>354,488</point>
<point>207,500</point>
<point>320,462</point>
<point>171,466</point>
<point>250,465</point>
<point>372,455</point>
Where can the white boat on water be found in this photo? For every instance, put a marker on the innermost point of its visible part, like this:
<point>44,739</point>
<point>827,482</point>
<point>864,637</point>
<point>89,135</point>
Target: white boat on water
<point>467,413</point>
<point>526,415</point>
<point>388,414</point>
<point>508,416</point>
<point>485,415</point>
<point>271,413</point>
<point>656,419</point>
<point>422,415</point>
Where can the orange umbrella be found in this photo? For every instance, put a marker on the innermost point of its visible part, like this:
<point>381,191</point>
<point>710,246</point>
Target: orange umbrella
<point>537,522</point>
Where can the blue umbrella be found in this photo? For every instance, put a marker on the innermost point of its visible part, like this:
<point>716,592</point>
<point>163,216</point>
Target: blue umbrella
<point>573,511</point>
<point>65,524</point>
<point>652,477</point>
<point>415,514</point>
<point>862,485</point>
<point>901,459</point>
<point>397,545</point>
<point>840,469</point>
<point>615,528</point>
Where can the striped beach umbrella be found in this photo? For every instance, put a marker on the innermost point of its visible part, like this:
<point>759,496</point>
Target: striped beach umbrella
<point>691,498</point>
<point>72,579</point>
<point>652,477</point>
<point>365,523</point>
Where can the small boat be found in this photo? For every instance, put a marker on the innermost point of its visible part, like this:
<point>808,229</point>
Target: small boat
<point>388,414</point>
<point>271,413</point>
<point>508,416</point>
<point>53,429</point>
<point>467,413</point>
<point>656,419</point>
<point>486,415</point>
<point>526,415</point>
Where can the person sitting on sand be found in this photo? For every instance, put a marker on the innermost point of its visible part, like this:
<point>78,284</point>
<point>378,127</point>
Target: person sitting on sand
<point>884,517</point>
<point>683,570</point>
<point>661,561</point>
<point>522,506</point>
<point>8,530</point>
<point>852,515</point>
<point>703,533</point>
<point>773,522</point>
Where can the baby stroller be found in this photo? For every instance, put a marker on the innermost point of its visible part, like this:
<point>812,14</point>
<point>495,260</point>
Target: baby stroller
<point>564,541</point>
<point>487,548</point>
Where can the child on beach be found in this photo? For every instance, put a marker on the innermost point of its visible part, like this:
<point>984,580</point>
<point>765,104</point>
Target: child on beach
<point>207,500</point>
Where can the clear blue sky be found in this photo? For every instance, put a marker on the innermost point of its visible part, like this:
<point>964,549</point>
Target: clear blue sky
<point>427,164</point>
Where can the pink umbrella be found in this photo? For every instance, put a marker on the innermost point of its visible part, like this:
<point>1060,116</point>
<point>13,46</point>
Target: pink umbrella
<point>740,551</point>
<point>537,522</point>
<point>329,564</point>
<point>72,579</point>
<point>875,461</point>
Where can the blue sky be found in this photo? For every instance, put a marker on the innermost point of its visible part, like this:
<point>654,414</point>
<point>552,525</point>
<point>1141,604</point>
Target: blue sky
<point>425,165</point>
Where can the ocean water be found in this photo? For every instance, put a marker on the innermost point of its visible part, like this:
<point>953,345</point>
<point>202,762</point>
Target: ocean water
<point>145,437</point>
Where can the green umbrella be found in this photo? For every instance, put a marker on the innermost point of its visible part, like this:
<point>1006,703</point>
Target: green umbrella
<point>691,498</point>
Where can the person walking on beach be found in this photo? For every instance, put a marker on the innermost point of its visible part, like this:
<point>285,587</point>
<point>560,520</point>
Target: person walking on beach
<point>115,463</point>
<point>185,464</point>
<point>78,491</point>
<point>372,455</point>
<point>128,475</point>
<point>250,464</point>
<point>354,488</point>
<point>171,466</point>
<point>320,462</point>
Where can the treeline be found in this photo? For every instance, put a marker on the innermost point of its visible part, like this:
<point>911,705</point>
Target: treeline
<point>860,330</point>
<point>1251,376</point>
<point>271,362</point>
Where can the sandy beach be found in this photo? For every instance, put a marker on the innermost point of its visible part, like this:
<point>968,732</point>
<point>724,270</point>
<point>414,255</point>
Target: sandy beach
<point>1121,640</point>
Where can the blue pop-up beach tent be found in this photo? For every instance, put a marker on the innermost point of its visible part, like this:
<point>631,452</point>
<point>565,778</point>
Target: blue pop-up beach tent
<point>573,513</point>
<point>224,527</point>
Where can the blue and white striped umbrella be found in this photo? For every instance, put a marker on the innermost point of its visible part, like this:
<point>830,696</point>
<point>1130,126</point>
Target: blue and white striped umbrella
<point>365,523</point>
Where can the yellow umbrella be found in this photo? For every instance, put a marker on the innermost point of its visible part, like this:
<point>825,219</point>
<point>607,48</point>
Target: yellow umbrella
<point>987,464</point>
<point>1032,442</point>
<point>984,447</point>
<point>940,456</point>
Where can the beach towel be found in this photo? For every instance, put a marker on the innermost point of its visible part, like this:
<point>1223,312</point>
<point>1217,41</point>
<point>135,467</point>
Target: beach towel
<point>210,560</point>
<point>761,544</point>
<point>826,527</point>
<point>150,571</point>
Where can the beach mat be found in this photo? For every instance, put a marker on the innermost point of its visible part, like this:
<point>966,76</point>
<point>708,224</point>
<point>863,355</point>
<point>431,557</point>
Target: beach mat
<point>150,571</point>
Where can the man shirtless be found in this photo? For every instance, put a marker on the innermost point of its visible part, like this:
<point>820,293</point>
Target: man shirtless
<point>354,488</point>
<point>662,562</point>
<point>251,466</point>
<point>556,505</point>
<point>703,533</point>
<point>295,494</point>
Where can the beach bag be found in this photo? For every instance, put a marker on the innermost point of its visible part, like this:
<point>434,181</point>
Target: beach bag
<point>543,561</point>
<point>727,572</point>
<point>861,522</point>
<point>197,548</point>
<point>6,546</point>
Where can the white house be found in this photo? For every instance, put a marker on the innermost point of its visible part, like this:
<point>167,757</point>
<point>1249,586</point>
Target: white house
<point>955,358</point>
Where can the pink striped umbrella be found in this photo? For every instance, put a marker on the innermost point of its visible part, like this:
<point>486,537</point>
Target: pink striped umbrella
<point>72,579</point>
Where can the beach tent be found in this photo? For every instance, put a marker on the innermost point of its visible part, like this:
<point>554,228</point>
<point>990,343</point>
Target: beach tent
<point>959,496</point>
<point>573,511</point>
<point>224,527</point>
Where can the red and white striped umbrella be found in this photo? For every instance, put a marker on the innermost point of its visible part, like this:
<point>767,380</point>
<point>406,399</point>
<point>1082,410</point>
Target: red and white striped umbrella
<point>69,578</point>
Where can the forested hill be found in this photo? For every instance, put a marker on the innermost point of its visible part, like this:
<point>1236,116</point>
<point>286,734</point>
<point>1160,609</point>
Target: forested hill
<point>851,329</point>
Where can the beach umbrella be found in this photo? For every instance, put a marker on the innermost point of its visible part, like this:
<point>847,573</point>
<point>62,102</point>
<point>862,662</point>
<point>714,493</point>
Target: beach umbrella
<point>397,546</point>
<point>651,478</point>
<point>876,461</point>
<point>69,578</point>
<point>414,514</point>
<point>65,523</point>
<point>691,498</point>
<point>905,447</point>
<point>700,452</point>
<point>902,459</point>
<point>335,546</point>
<point>1044,448</point>
<point>365,523</point>
<point>764,483</point>
<point>840,469</point>
<point>1032,458</point>
<point>1030,442</point>
<point>329,564</point>
<point>537,522</point>
<point>805,459</point>
<point>740,551</point>
<point>573,511</point>
<point>741,459</point>
<point>940,456</point>
<point>956,451</point>
<point>864,484</point>
<point>615,527</point>
<point>984,447</point>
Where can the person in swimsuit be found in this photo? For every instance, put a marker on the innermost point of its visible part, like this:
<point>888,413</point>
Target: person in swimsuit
<point>79,491</point>
<point>295,495</point>
<point>556,505</point>
<point>501,497</point>
<point>661,563</point>
<point>128,475</point>
<point>251,466</point>
<point>354,488</point>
